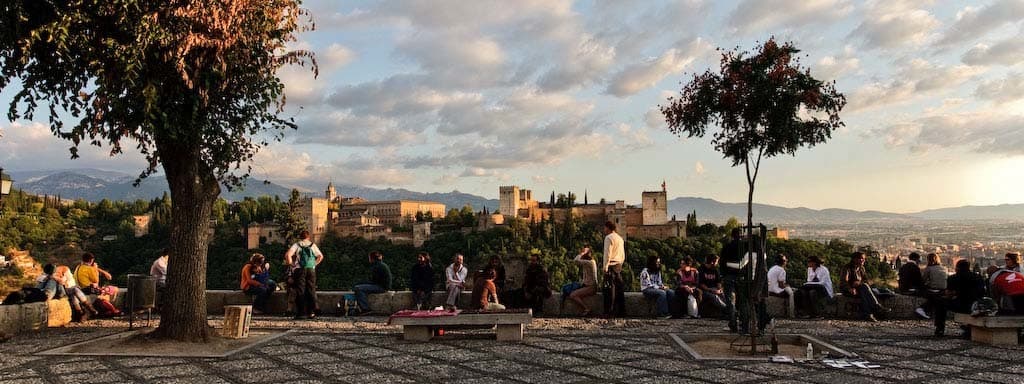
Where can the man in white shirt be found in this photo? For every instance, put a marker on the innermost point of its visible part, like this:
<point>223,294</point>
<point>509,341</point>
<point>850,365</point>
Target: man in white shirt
<point>455,280</point>
<point>614,257</point>
<point>159,270</point>
<point>777,283</point>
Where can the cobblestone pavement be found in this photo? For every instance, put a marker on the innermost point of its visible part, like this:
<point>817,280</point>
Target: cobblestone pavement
<point>554,351</point>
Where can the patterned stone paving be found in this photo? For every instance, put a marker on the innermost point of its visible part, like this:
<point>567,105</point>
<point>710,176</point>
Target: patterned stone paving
<point>555,351</point>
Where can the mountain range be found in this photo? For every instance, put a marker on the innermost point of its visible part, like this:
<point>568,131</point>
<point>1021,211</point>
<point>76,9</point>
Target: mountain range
<point>95,185</point>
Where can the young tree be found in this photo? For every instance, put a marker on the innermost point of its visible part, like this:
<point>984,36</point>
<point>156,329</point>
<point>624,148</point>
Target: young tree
<point>289,217</point>
<point>763,104</point>
<point>191,84</point>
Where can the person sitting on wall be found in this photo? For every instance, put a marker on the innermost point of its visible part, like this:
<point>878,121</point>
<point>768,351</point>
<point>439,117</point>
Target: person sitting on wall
<point>536,285</point>
<point>910,280</point>
<point>817,289</point>
<point>49,285</point>
<point>80,304</point>
<point>484,290</point>
<point>963,288</point>
<point>654,288</point>
<point>256,282</point>
<point>1007,288</point>
<point>421,281</point>
<point>686,280</point>
<point>500,279</point>
<point>588,268</point>
<point>853,282</point>
<point>159,270</point>
<point>777,285</point>
<point>455,281</point>
<point>711,284</point>
<point>380,281</point>
<point>934,284</point>
<point>1013,262</point>
<point>87,276</point>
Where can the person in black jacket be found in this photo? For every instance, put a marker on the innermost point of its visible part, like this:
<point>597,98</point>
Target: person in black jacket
<point>910,280</point>
<point>421,283</point>
<point>380,281</point>
<point>963,288</point>
<point>536,285</point>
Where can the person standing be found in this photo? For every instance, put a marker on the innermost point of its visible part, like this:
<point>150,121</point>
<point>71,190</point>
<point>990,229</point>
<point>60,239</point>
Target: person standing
<point>731,267</point>
<point>585,260</point>
<point>777,285</point>
<point>380,281</point>
<point>421,281</point>
<point>307,256</point>
<point>255,282</point>
<point>455,280</point>
<point>536,285</point>
<point>614,257</point>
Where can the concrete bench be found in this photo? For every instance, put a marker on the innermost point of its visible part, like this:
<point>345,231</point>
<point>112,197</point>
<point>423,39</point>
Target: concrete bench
<point>509,324</point>
<point>994,330</point>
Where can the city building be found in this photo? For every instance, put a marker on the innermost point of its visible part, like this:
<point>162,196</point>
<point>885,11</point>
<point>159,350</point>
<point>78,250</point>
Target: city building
<point>391,212</point>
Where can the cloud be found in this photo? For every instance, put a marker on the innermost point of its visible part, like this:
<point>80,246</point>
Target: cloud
<point>632,139</point>
<point>538,179</point>
<point>525,110</point>
<point>1006,52</point>
<point>282,163</point>
<point>582,64</point>
<point>1007,89</point>
<point>916,78</point>
<point>640,76</point>
<point>30,145</point>
<point>698,168</point>
<point>334,57</point>
<point>891,24</point>
<point>755,15</point>
<point>345,129</point>
<point>835,67</point>
<point>973,22</point>
<point>457,59</point>
<point>988,131</point>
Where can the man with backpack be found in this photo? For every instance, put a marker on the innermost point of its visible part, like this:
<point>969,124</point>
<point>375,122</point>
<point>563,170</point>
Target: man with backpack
<point>303,257</point>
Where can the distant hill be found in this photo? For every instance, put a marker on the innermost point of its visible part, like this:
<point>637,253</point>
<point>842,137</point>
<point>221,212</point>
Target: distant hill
<point>972,212</point>
<point>95,185</point>
<point>719,212</point>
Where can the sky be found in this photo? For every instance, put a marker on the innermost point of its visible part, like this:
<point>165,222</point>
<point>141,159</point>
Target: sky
<point>436,96</point>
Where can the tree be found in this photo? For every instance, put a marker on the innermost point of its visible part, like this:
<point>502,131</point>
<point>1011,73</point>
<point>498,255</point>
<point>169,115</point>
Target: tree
<point>191,84</point>
<point>289,217</point>
<point>764,104</point>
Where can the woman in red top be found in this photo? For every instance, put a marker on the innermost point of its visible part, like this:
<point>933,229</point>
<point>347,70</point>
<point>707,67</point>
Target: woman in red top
<point>687,280</point>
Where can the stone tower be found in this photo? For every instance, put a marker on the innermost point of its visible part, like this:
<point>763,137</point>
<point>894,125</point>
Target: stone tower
<point>655,207</point>
<point>508,200</point>
<point>331,192</point>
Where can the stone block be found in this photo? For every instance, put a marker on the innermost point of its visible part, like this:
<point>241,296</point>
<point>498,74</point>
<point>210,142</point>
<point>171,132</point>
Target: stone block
<point>10,319</point>
<point>33,316</point>
<point>58,313</point>
<point>777,306</point>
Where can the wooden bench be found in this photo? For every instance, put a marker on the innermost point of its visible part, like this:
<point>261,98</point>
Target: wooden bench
<point>994,330</point>
<point>510,323</point>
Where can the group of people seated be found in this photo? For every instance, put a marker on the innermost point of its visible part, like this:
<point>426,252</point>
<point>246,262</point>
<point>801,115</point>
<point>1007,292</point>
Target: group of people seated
<point>59,282</point>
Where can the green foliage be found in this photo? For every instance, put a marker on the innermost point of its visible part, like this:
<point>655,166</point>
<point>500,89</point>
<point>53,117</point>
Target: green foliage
<point>289,217</point>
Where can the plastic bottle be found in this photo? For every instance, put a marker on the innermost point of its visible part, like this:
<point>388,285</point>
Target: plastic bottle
<point>810,351</point>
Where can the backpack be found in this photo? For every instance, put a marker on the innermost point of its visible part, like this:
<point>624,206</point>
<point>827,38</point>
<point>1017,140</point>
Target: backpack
<point>307,258</point>
<point>33,295</point>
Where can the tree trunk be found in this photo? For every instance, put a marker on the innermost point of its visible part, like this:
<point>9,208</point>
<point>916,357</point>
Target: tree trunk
<point>193,191</point>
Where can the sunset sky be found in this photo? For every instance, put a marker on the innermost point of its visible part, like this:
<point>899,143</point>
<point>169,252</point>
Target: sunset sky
<point>557,95</point>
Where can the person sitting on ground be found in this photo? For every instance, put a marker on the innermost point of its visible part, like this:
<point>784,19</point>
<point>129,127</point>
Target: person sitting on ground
<point>687,281</point>
<point>87,277</point>
<point>1013,262</point>
<point>159,270</point>
<point>588,268</point>
<point>455,281</point>
<point>911,282</point>
<point>934,284</point>
<point>49,285</point>
<point>817,289</point>
<point>80,304</point>
<point>421,281</point>
<point>1007,288</point>
<point>380,282</point>
<point>484,290</point>
<point>536,285</point>
<point>777,285</point>
<point>711,283</point>
<point>256,282</point>
<point>853,282</point>
<point>963,288</point>
<point>654,288</point>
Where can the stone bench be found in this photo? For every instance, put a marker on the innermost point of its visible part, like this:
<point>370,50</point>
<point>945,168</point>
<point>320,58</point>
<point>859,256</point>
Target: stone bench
<point>34,316</point>
<point>509,324</point>
<point>994,330</point>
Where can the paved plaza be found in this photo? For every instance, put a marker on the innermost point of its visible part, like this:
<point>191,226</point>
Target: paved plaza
<point>554,351</point>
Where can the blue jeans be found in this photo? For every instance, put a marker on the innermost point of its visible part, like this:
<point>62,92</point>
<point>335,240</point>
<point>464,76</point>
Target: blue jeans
<point>362,290</point>
<point>260,295</point>
<point>663,297</point>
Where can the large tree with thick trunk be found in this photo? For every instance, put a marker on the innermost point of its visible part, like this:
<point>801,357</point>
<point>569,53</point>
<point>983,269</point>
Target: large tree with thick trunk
<point>191,84</point>
<point>763,104</point>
